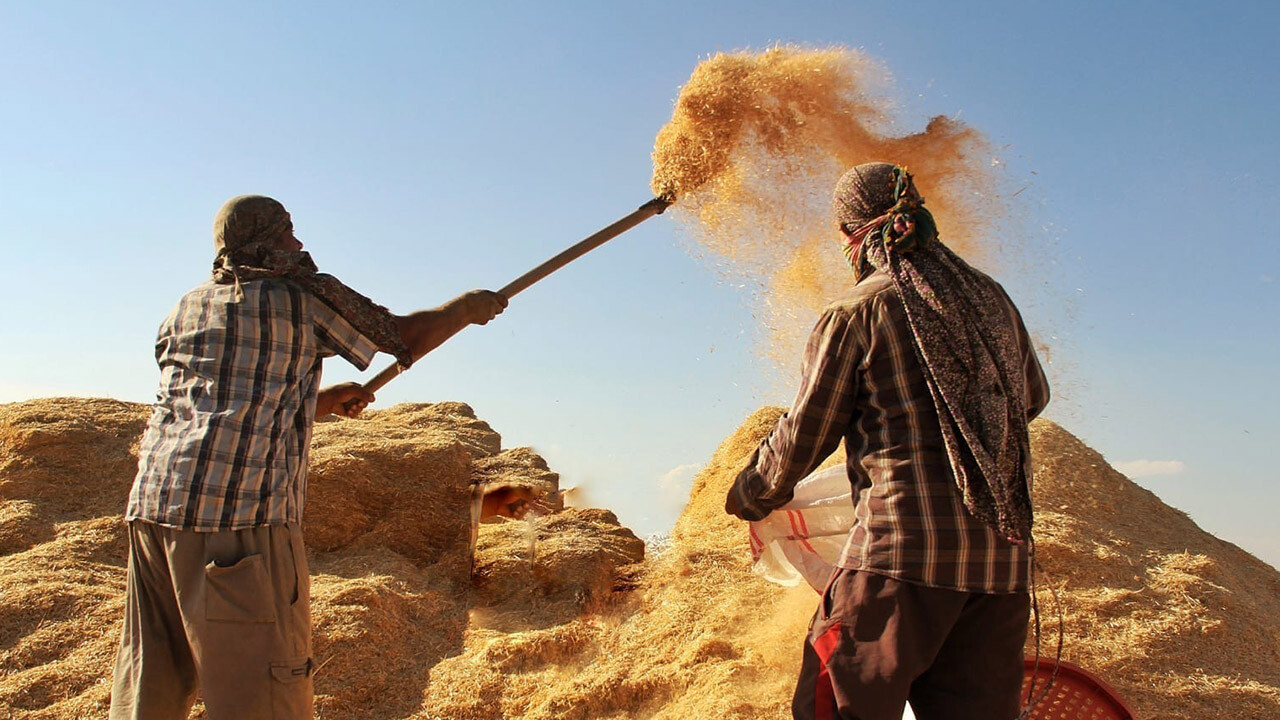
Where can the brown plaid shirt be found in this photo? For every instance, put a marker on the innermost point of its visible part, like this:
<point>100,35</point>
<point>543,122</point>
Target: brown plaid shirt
<point>228,440</point>
<point>862,382</point>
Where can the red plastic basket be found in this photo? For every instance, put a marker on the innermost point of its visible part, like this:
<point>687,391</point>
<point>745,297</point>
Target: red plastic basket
<point>1075,694</point>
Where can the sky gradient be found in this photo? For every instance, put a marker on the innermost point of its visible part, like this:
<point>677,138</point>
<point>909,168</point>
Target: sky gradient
<point>426,149</point>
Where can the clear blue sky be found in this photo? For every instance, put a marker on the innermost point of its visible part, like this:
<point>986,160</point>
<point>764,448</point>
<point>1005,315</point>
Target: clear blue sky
<point>425,149</point>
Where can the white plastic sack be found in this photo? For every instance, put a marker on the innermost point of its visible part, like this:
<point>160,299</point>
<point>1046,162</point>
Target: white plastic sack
<point>803,539</point>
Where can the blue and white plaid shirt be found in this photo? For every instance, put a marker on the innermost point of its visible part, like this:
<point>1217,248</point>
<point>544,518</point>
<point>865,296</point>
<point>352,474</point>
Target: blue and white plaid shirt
<point>228,441</point>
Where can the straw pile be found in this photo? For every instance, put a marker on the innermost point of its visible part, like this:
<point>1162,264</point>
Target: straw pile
<point>563,618</point>
<point>704,637</point>
<point>65,469</point>
<point>400,479</point>
<point>1183,624</point>
<point>538,572</point>
<point>388,527</point>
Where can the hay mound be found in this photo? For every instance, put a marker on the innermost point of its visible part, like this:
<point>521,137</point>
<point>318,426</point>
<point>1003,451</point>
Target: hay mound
<point>64,459</point>
<point>399,479</point>
<point>573,624</point>
<point>387,526</point>
<point>549,570</point>
<point>704,638</point>
<point>381,622</point>
<point>65,469</point>
<point>1182,624</point>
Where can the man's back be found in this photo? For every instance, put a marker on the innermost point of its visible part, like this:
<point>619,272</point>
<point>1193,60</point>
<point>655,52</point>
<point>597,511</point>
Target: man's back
<point>911,522</point>
<point>926,373</point>
<point>227,444</point>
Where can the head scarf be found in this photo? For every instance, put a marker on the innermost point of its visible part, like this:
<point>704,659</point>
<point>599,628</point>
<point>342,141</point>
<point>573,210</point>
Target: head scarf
<point>963,337</point>
<point>246,234</point>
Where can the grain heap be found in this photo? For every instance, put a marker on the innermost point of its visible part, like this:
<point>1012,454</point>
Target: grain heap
<point>1184,625</point>
<point>519,467</point>
<point>388,530</point>
<point>65,469</point>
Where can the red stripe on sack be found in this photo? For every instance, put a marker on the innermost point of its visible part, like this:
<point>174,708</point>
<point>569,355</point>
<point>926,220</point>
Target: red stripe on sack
<point>795,526</point>
<point>804,526</point>
<point>824,701</point>
<point>756,544</point>
<point>801,529</point>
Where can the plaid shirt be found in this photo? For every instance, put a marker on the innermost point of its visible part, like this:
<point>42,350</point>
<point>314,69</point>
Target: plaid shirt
<point>862,382</point>
<point>227,444</point>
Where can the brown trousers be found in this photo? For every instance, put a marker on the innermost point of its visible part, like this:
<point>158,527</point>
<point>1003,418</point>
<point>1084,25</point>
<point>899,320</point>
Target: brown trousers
<point>226,610</point>
<point>876,643</point>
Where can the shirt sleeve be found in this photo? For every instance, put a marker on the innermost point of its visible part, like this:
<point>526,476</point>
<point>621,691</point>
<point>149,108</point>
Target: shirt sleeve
<point>810,431</point>
<point>337,336</point>
<point>1037,383</point>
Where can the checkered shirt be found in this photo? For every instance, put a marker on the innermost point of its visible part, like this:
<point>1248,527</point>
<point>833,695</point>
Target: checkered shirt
<point>862,382</point>
<point>228,441</point>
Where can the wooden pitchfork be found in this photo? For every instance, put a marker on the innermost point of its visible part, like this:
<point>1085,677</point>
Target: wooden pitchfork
<point>654,207</point>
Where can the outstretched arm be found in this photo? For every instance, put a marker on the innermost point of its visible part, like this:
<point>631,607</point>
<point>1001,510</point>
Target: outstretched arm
<point>426,330</point>
<point>811,429</point>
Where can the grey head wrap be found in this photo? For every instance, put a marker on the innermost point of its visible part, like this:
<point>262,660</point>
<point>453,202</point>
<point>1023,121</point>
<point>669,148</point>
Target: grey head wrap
<point>246,236</point>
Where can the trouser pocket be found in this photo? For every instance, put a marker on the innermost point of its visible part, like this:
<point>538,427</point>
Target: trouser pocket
<point>827,605</point>
<point>239,593</point>
<point>291,689</point>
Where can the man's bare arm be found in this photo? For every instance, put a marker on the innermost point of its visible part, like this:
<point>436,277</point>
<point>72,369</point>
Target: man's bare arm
<point>347,399</point>
<point>426,330</point>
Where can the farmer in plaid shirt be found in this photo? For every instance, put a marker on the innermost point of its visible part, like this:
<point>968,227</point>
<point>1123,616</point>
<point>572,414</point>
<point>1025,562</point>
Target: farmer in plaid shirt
<point>927,374</point>
<point>218,588</point>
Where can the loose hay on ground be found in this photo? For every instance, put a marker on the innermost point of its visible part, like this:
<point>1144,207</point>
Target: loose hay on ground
<point>396,480</point>
<point>1183,624</point>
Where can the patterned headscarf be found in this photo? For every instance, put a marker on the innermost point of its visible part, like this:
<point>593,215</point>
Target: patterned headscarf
<point>963,338</point>
<point>245,236</point>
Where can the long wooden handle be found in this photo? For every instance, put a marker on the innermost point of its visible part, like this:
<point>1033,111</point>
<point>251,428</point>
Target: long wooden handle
<point>642,213</point>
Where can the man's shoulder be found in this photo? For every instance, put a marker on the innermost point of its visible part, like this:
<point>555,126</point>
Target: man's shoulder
<point>280,286</point>
<point>250,298</point>
<point>872,290</point>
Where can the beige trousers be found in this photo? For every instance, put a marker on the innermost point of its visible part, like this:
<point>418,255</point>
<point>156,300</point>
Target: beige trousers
<point>228,611</point>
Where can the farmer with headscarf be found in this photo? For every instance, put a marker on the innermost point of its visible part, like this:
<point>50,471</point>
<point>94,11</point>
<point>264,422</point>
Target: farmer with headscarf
<point>218,590</point>
<point>928,375</point>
